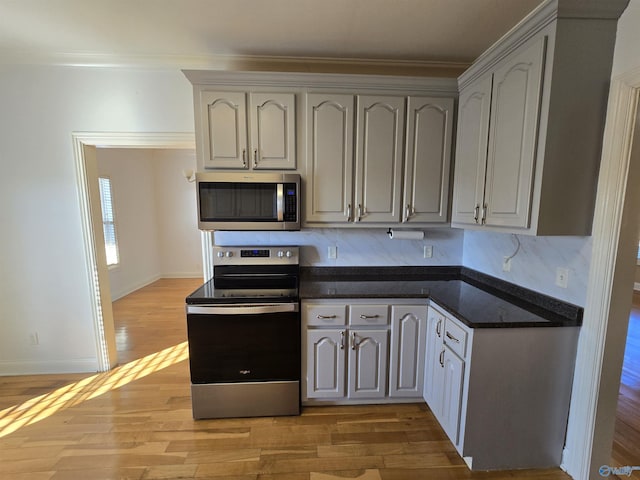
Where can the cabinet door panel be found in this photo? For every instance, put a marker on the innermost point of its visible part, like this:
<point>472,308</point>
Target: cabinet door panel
<point>407,360</point>
<point>329,157</point>
<point>452,394</point>
<point>427,159</point>
<point>273,131</point>
<point>433,374</point>
<point>515,113</point>
<point>471,151</point>
<point>325,363</point>
<point>368,350</point>
<point>379,158</point>
<point>224,130</point>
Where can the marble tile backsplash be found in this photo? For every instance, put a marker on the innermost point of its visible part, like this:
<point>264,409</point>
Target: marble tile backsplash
<point>533,267</point>
<point>535,264</point>
<point>357,247</point>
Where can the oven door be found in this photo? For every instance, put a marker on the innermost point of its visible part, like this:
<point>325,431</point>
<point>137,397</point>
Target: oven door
<point>244,343</point>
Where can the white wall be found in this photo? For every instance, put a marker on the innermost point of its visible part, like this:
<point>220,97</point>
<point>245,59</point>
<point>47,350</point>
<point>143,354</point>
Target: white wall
<point>155,212</point>
<point>44,276</point>
<point>534,266</point>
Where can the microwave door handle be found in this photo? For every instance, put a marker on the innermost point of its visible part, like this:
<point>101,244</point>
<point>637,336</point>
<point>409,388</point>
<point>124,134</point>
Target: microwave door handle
<point>280,201</point>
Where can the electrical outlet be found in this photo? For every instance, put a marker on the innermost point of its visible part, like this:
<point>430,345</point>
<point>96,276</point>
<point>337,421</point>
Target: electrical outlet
<point>506,264</point>
<point>428,251</point>
<point>562,277</point>
<point>332,252</point>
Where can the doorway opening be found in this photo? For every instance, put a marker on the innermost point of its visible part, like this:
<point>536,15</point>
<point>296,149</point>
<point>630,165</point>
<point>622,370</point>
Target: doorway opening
<point>85,145</point>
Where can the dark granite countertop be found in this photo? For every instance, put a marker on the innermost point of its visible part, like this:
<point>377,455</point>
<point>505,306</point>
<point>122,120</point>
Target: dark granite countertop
<point>478,300</point>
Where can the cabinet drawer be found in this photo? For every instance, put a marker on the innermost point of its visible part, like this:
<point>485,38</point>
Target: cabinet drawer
<point>455,337</point>
<point>326,315</point>
<point>368,315</point>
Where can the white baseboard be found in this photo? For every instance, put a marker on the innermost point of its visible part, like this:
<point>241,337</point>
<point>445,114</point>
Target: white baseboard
<point>84,365</point>
<point>197,274</point>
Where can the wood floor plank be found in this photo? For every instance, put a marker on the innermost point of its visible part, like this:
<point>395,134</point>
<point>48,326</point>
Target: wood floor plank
<point>144,428</point>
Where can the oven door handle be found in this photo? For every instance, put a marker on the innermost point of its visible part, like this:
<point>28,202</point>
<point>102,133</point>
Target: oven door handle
<point>242,309</point>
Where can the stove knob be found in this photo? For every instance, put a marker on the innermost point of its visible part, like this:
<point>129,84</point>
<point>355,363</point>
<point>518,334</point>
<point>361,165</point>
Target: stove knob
<point>229,254</point>
<point>220,254</point>
<point>280,254</point>
<point>289,254</point>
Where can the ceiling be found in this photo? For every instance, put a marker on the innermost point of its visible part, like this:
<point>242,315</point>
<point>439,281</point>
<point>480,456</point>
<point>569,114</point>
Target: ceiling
<point>199,33</point>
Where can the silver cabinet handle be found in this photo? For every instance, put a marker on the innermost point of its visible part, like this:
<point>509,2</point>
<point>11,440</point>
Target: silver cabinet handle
<point>476,212</point>
<point>255,158</point>
<point>342,340</point>
<point>244,158</point>
<point>349,213</point>
<point>441,359</point>
<point>359,212</point>
<point>353,340</point>
<point>484,213</point>
<point>369,316</point>
<point>326,316</point>
<point>439,328</point>
<point>451,337</point>
<point>408,213</point>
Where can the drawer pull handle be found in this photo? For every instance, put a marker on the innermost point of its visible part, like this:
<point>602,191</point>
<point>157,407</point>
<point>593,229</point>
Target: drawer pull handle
<point>342,340</point>
<point>364,317</point>
<point>245,372</point>
<point>442,358</point>
<point>322,317</point>
<point>439,328</point>
<point>353,340</point>
<point>451,337</point>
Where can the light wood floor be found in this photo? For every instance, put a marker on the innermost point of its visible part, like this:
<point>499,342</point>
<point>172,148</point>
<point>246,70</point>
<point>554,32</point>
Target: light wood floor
<point>135,422</point>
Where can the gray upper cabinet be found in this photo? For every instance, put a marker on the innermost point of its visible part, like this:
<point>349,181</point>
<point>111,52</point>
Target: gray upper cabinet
<point>393,167</point>
<point>427,160</point>
<point>379,159</point>
<point>530,123</point>
<point>329,157</point>
<point>266,141</point>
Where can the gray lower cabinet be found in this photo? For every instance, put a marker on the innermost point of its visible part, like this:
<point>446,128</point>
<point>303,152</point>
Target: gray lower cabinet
<point>500,394</point>
<point>360,351</point>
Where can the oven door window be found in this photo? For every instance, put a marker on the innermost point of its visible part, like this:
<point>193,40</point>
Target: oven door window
<point>238,202</point>
<point>244,348</point>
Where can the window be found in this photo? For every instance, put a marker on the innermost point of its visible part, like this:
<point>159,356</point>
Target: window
<point>108,221</point>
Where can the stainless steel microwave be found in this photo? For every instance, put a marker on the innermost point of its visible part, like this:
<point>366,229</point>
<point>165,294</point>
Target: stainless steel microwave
<point>248,201</point>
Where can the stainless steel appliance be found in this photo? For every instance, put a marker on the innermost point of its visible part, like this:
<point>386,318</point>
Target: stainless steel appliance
<point>243,328</point>
<point>248,201</point>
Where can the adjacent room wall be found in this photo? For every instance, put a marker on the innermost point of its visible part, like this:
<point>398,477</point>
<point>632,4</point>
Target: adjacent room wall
<point>155,212</point>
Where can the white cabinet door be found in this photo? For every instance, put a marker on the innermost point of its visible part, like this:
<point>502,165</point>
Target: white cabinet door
<point>453,368</point>
<point>326,363</point>
<point>471,151</point>
<point>368,351</point>
<point>224,130</point>
<point>407,359</point>
<point>427,159</point>
<point>379,144</point>
<point>329,185</point>
<point>227,141</point>
<point>432,371</point>
<point>273,127</point>
<point>515,110</point>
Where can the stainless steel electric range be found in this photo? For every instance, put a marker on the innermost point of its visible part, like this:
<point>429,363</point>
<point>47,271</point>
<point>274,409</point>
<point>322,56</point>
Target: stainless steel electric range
<point>243,329</point>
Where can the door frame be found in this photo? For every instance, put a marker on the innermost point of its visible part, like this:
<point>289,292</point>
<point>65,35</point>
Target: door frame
<point>603,333</point>
<point>84,152</point>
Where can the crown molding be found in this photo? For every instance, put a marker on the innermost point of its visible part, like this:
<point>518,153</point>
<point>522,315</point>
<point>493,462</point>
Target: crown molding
<point>239,63</point>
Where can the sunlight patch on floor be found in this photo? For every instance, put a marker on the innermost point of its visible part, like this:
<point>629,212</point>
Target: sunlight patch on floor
<point>39,408</point>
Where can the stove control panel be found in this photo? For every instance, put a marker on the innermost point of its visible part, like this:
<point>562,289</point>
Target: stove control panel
<point>283,255</point>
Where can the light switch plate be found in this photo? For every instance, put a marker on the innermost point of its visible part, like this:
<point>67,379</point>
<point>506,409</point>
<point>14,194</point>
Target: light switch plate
<point>332,252</point>
<point>428,251</point>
